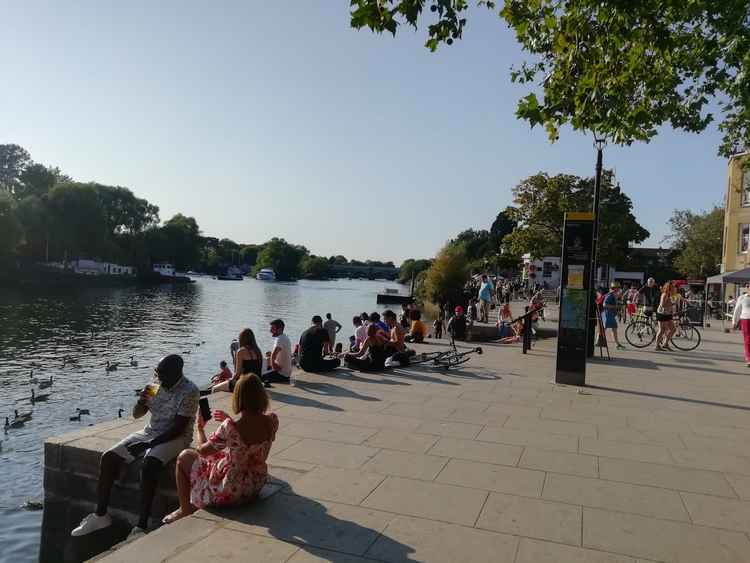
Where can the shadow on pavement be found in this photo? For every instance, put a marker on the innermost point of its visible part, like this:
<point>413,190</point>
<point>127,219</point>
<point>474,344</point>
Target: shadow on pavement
<point>301,401</point>
<point>310,525</point>
<point>330,390</point>
<point>669,397</point>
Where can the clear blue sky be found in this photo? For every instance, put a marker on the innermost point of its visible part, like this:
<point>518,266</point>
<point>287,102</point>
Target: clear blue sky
<point>276,118</point>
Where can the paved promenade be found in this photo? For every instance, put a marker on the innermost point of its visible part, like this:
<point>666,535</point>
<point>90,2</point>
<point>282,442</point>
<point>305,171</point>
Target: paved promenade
<point>651,462</point>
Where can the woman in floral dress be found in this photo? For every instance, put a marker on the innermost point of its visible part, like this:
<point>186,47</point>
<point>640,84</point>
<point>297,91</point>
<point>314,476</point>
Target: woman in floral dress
<point>229,467</point>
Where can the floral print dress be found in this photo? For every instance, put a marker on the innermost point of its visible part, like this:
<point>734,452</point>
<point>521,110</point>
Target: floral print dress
<point>236,473</point>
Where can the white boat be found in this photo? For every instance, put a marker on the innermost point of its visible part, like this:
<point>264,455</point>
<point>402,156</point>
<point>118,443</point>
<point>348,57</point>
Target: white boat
<point>266,274</point>
<point>167,273</point>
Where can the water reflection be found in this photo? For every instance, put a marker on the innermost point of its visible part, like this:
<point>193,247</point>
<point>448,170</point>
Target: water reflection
<point>70,335</point>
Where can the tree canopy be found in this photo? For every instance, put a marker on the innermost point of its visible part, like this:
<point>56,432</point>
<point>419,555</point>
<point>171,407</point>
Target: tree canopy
<point>284,258</point>
<point>541,201</point>
<point>697,240</point>
<point>619,69</point>
<point>412,268</point>
<point>445,280</point>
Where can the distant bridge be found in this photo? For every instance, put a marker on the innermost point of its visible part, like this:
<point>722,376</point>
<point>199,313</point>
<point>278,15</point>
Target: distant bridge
<point>368,272</point>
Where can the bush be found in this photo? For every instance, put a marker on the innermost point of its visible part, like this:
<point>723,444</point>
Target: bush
<point>447,276</point>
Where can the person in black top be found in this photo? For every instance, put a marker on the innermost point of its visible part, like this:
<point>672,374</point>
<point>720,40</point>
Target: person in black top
<point>248,359</point>
<point>311,344</point>
<point>651,295</point>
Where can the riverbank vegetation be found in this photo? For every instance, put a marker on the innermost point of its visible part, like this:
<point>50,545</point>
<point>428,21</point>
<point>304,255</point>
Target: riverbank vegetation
<point>46,216</point>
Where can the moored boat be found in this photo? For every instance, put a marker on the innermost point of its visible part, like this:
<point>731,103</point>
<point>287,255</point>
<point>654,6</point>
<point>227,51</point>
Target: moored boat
<point>168,274</point>
<point>266,274</point>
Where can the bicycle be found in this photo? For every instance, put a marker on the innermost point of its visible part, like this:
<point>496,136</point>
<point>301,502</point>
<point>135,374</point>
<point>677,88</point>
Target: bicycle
<point>446,358</point>
<point>641,331</point>
<point>686,337</point>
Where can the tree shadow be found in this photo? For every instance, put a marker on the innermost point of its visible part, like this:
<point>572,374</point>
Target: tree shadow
<point>301,401</point>
<point>314,527</point>
<point>670,397</point>
<point>401,372</point>
<point>348,374</point>
<point>330,390</point>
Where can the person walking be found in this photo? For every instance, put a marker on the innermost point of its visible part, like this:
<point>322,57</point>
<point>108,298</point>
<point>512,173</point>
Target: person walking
<point>609,316</point>
<point>332,327</point>
<point>741,319</point>
<point>631,297</point>
<point>664,314</point>
<point>485,299</point>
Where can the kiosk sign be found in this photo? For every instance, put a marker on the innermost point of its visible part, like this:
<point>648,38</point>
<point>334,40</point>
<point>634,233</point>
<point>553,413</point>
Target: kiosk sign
<point>578,234</point>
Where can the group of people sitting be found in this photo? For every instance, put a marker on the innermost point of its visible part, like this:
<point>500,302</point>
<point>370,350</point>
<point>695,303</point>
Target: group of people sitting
<point>229,466</point>
<point>378,344</point>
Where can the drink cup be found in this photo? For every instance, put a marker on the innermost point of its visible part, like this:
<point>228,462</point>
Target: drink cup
<point>151,389</point>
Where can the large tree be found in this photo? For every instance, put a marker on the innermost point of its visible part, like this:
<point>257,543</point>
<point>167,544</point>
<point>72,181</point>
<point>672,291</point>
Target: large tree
<point>541,202</point>
<point>10,228</point>
<point>77,220</point>
<point>38,179</point>
<point>697,240</point>
<point>411,268</point>
<point>618,69</point>
<point>446,277</point>
<point>180,241</point>
<point>13,161</point>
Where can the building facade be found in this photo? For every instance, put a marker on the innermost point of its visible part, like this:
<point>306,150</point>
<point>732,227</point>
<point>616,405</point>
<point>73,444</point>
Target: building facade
<point>737,215</point>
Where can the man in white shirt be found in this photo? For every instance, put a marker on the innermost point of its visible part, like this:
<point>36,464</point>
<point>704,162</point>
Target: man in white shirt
<point>332,326</point>
<point>281,356</point>
<point>741,319</point>
<point>360,333</point>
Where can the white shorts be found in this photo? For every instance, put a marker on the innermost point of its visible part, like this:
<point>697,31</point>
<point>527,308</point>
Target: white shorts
<point>165,452</point>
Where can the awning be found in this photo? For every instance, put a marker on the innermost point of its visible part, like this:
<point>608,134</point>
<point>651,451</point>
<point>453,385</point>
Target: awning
<point>741,276</point>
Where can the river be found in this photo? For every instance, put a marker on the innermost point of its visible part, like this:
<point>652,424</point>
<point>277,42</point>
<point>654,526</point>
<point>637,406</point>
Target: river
<point>90,327</point>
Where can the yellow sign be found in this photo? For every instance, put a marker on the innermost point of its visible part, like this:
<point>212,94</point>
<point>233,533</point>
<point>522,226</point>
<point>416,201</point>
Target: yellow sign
<point>575,276</point>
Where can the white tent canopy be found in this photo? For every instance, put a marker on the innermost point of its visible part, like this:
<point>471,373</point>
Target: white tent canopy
<point>739,277</point>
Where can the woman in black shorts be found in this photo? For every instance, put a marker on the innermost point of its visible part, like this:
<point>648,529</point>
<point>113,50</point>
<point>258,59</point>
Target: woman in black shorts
<point>664,315</point>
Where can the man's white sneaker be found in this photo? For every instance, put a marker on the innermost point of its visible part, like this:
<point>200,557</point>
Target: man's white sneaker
<point>92,523</point>
<point>136,533</point>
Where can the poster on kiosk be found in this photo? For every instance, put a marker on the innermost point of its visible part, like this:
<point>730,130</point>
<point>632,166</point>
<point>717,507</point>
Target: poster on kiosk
<point>572,332</point>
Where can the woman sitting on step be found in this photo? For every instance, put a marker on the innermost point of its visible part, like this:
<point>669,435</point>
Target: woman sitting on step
<point>229,467</point>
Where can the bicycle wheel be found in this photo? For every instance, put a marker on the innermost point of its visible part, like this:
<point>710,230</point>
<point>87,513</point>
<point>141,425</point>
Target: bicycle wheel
<point>640,334</point>
<point>686,338</point>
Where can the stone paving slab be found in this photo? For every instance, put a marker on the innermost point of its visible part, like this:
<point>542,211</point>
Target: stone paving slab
<point>489,477</point>
<point>534,518</point>
<point>435,501</point>
<point>492,463</point>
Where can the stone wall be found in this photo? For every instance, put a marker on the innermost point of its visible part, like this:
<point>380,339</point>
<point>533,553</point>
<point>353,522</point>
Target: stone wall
<point>71,466</point>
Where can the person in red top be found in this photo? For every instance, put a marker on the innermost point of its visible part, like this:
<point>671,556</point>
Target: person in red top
<point>225,374</point>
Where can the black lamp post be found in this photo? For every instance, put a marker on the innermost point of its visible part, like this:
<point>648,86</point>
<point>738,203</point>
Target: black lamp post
<point>592,311</point>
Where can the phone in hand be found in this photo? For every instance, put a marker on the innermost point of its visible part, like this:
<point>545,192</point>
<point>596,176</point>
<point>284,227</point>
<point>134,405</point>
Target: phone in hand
<point>205,409</point>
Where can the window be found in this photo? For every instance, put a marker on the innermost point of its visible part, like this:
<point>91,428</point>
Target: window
<point>744,238</point>
<point>745,188</point>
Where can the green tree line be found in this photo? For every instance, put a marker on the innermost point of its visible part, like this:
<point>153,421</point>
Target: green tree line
<point>46,216</point>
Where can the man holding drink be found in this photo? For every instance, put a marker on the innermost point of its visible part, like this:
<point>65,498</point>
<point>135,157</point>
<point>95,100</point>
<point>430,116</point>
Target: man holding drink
<point>172,404</point>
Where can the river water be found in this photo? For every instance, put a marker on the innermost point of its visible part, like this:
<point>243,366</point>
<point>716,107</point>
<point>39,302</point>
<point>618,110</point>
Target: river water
<point>92,326</point>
